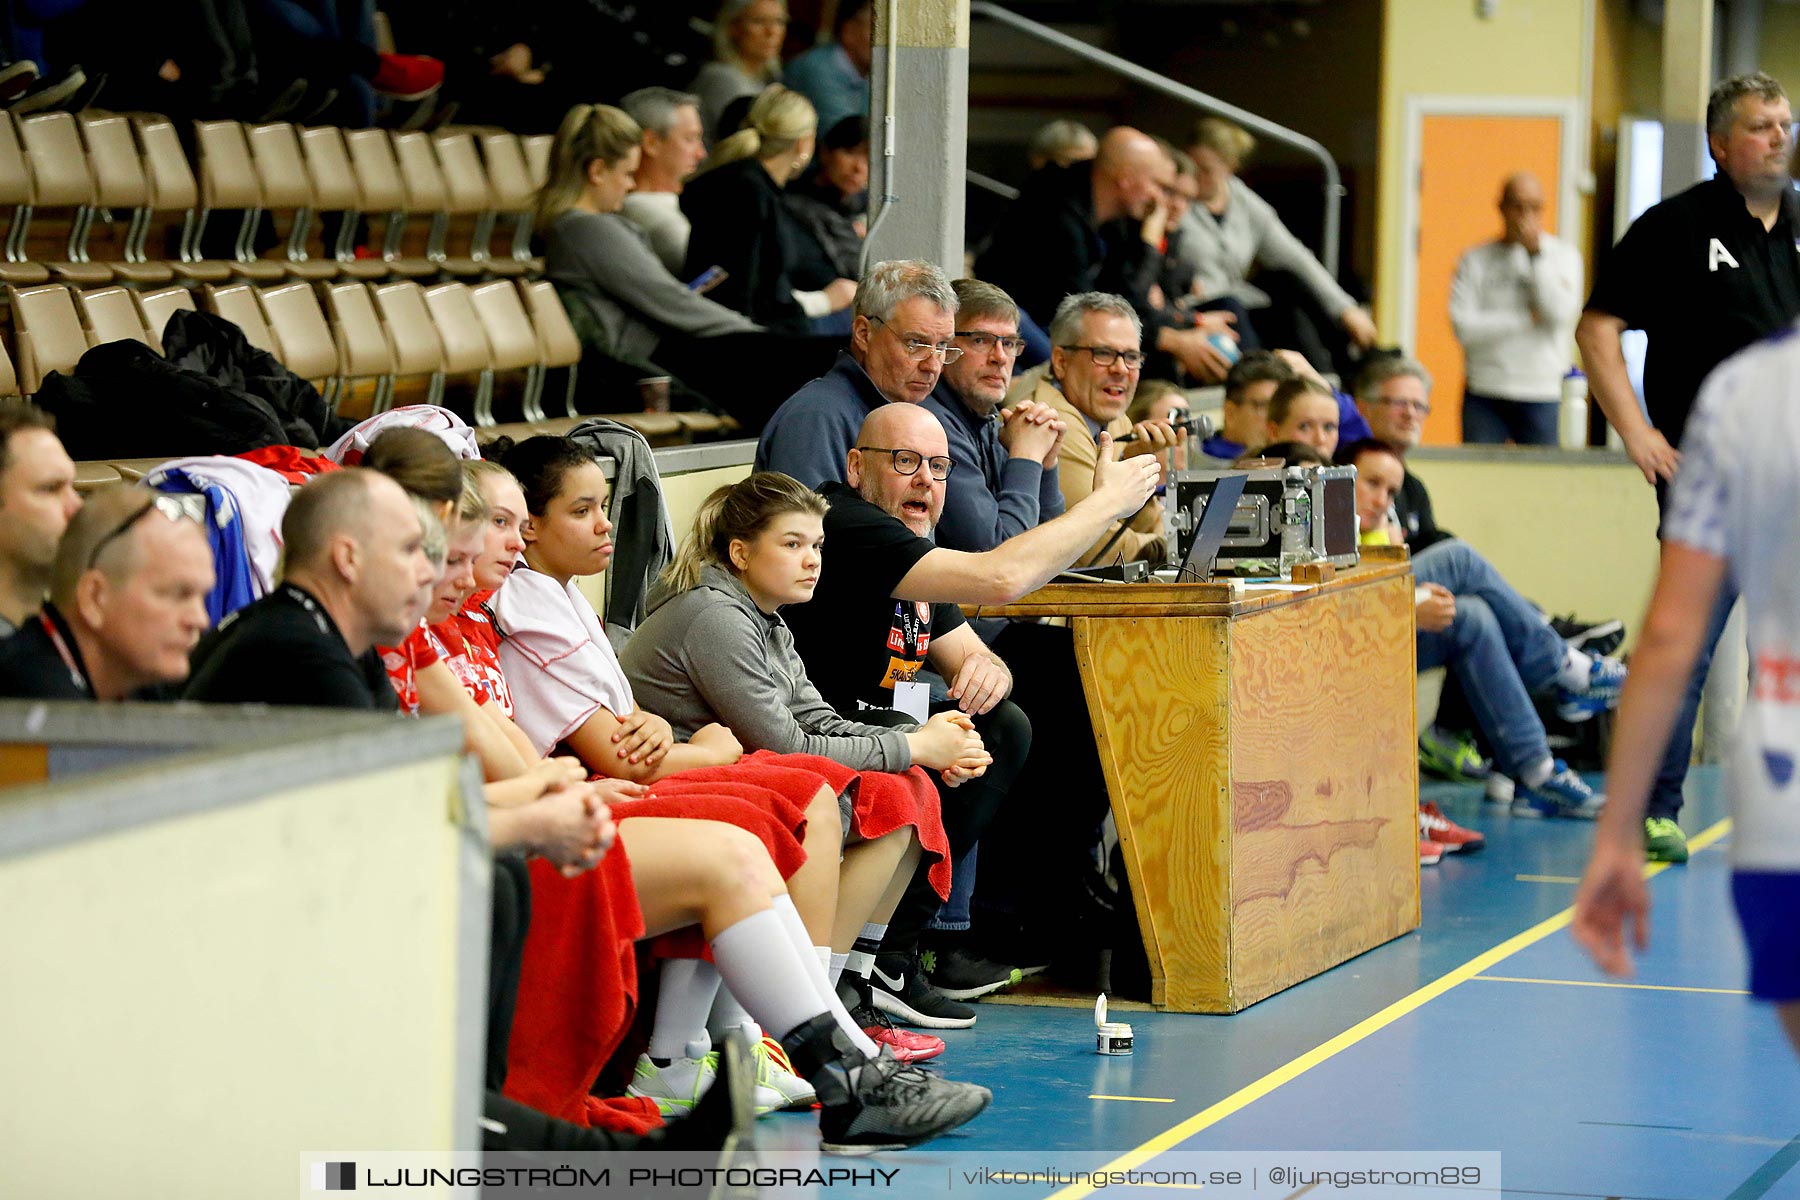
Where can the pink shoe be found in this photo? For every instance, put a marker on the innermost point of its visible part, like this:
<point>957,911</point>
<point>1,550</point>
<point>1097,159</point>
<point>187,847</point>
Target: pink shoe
<point>907,1046</point>
<point>1430,853</point>
<point>1433,824</point>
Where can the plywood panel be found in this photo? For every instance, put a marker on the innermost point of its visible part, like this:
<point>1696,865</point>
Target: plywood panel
<point>1159,697</point>
<point>1324,784</point>
<point>23,763</point>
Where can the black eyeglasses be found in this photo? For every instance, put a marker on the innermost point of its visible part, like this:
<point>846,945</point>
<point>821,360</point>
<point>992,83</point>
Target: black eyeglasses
<point>920,351</point>
<point>1106,356</point>
<point>908,462</point>
<point>185,506</point>
<point>983,343</point>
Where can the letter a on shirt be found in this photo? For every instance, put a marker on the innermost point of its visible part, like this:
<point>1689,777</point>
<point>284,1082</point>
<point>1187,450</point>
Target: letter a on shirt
<point>1716,254</point>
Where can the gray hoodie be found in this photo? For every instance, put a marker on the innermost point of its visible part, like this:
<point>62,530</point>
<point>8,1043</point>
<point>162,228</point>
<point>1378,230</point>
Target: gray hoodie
<point>709,654</point>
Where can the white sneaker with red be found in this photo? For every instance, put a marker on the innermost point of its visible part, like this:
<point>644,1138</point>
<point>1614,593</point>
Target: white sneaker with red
<point>1430,853</point>
<point>1436,827</point>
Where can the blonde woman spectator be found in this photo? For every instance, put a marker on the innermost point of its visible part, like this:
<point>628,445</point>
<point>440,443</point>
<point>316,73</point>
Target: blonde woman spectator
<point>1061,142</point>
<point>747,37</point>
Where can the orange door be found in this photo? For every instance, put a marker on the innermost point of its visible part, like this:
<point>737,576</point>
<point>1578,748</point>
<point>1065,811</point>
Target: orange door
<point>1463,161</point>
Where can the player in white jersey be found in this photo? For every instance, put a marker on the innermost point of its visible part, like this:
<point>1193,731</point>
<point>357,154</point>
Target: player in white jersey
<point>1733,523</point>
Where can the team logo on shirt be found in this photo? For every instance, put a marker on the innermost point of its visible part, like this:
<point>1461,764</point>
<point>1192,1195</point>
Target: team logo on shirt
<point>1716,253</point>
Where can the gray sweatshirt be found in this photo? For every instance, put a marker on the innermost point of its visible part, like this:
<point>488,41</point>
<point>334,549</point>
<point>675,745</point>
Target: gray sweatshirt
<point>1222,250</point>
<point>709,654</point>
<point>604,262</point>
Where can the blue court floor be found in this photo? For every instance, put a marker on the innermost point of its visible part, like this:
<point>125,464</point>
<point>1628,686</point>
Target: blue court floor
<point>1485,1030</point>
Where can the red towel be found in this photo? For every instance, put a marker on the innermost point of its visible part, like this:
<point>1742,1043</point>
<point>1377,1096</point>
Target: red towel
<point>881,801</point>
<point>295,464</point>
<point>577,992</point>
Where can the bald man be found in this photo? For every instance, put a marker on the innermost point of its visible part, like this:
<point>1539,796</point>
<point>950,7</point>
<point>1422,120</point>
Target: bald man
<point>887,606</point>
<point>1514,303</point>
<point>355,576</point>
<point>127,602</point>
<point>1100,226</point>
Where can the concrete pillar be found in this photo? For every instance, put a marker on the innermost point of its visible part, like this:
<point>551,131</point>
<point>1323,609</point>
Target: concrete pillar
<point>1743,37</point>
<point>1687,56</point>
<point>916,190</point>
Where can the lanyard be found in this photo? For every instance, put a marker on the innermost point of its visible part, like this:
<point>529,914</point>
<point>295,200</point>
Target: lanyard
<point>62,648</point>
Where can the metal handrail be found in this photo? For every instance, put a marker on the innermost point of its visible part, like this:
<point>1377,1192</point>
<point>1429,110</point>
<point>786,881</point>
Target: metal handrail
<point>988,183</point>
<point>1334,188</point>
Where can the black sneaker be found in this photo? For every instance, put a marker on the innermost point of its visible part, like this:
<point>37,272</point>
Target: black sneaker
<point>894,1106</point>
<point>899,989</point>
<point>961,974</point>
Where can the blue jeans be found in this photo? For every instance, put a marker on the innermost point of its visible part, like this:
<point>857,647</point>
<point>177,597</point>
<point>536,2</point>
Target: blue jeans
<point>1665,793</point>
<point>1488,420</point>
<point>1499,648</point>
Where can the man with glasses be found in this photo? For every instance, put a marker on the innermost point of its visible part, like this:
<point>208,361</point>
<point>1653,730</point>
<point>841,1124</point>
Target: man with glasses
<point>1008,482</point>
<point>886,607</point>
<point>900,341</point>
<point>127,602</point>
<point>1704,274</point>
<point>1096,358</point>
<point>37,498</point>
<point>1500,650</point>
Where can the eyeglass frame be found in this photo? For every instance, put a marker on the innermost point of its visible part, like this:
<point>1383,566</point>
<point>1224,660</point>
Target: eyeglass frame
<point>1014,345</point>
<point>176,506</point>
<point>943,350</point>
<point>924,461</point>
<point>1118,355</point>
<point>1421,407</point>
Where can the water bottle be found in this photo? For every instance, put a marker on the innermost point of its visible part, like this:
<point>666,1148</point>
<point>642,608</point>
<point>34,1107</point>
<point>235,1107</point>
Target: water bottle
<point>1572,429</point>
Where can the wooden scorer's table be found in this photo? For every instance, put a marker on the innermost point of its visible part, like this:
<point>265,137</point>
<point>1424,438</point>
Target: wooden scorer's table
<point>1260,755</point>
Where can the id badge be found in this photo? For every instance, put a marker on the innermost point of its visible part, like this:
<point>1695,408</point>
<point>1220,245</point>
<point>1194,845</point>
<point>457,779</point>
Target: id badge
<point>913,699</point>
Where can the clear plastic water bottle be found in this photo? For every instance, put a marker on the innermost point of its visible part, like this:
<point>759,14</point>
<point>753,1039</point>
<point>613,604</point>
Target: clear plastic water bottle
<point>1572,427</point>
<point>1296,526</point>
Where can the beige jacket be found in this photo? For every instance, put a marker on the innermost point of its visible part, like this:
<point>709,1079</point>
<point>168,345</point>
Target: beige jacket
<point>1143,537</point>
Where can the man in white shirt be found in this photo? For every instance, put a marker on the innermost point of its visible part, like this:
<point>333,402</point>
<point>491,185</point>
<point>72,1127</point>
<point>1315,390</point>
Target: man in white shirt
<point>1514,303</point>
<point>673,147</point>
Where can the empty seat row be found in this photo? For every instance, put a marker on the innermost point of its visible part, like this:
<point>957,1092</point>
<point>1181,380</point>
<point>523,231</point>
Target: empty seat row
<point>133,170</point>
<point>340,333</point>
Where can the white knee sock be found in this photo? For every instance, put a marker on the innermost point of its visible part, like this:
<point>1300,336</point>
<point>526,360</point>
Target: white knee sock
<point>783,907</point>
<point>1538,772</point>
<point>683,998</point>
<point>766,974</point>
<point>836,969</point>
<point>728,1014</point>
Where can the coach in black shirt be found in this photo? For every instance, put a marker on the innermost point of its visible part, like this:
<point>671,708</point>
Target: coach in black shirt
<point>356,577</point>
<point>1704,273</point>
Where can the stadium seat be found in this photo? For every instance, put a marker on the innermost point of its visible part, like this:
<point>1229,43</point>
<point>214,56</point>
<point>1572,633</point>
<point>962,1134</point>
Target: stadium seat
<point>512,341</point>
<point>90,476</point>
<point>228,180</point>
<point>9,379</point>
<point>412,333</point>
<point>156,307</point>
<point>427,195</point>
<point>363,348</point>
<point>47,331</point>
<point>237,304</point>
<point>287,191</point>
<point>335,191</point>
<point>307,347</point>
<point>110,315</point>
<point>60,179</point>
<point>465,342</point>
<point>121,186</point>
<point>173,188</point>
<point>471,199</point>
<point>15,191</point>
<point>559,344</point>
<point>509,177</point>
<point>383,193</point>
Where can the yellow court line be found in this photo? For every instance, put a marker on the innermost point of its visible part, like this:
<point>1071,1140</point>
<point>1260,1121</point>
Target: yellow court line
<point>1607,983</point>
<point>1548,878</point>
<point>1252,1092</point>
<point>1139,1099</point>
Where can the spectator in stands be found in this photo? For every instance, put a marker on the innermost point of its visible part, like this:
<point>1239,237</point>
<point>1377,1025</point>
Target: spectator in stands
<point>1061,143</point>
<point>1095,364</point>
<point>1248,386</point>
<point>355,576</point>
<point>1082,228</point>
<point>886,607</point>
<point>1513,305</point>
<point>834,75</point>
<point>900,341</point>
<point>747,38</point>
<point>1380,471</point>
<point>639,318</point>
<point>1394,397</point>
<point>37,498</point>
<point>715,648</point>
<point>1161,400</point>
<point>1233,229</point>
<point>832,200</point>
<point>774,273</point>
<point>127,602</point>
<point>1304,410</point>
<point>670,151</point>
<point>1704,273</point>
<point>1008,457</point>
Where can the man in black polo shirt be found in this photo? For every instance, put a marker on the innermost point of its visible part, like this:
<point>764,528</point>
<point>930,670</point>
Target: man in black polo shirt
<point>1704,274</point>
<point>127,602</point>
<point>356,576</point>
<point>886,605</point>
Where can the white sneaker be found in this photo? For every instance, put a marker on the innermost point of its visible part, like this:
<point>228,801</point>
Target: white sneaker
<point>676,1088</point>
<point>776,1084</point>
<point>1499,788</point>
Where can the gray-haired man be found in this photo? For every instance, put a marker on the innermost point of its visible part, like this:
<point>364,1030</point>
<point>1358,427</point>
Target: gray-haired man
<point>905,319</point>
<point>672,148</point>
